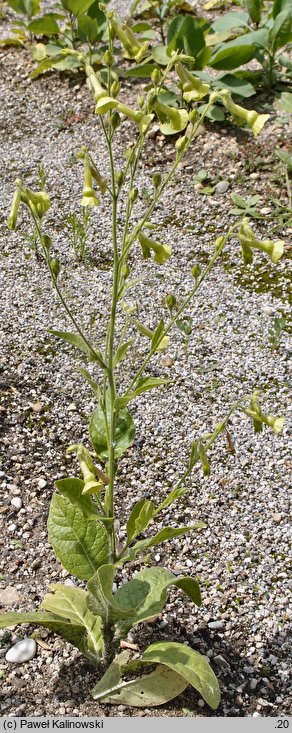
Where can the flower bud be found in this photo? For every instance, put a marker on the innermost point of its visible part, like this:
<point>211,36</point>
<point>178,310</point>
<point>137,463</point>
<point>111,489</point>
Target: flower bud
<point>170,302</point>
<point>204,460</point>
<point>140,101</point>
<point>120,177</point>
<point>108,58</point>
<point>219,241</point>
<point>196,271</point>
<point>125,270</point>
<point>181,144</point>
<point>115,88</point>
<point>47,241</point>
<point>193,116</point>
<point>133,195</point>
<point>12,219</point>
<point>115,119</point>
<point>55,268</point>
<point>156,76</point>
<point>156,178</point>
<point>102,7</point>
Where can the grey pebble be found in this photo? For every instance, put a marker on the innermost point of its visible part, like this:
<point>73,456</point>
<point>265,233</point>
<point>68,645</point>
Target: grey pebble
<point>215,625</point>
<point>16,502</point>
<point>222,187</point>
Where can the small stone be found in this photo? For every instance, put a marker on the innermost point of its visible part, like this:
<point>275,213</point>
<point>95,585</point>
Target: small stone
<point>254,176</point>
<point>216,625</point>
<point>265,210</point>
<point>157,557</point>
<point>189,564</point>
<point>9,596</point>
<point>221,661</point>
<point>222,186</point>
<point>37,407</point>
<point>253,683</point>
<point>166,361</point>
<point>268,310</point>
<point>16,502</point>
<point>277,518</point>
<point>256,715</point>
<point>201,703</point>
<point>42,483</point>
<point>72,407</point>
<point>21,652</point>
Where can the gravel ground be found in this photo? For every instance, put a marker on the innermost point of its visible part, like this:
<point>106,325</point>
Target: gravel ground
<point>241,559</point>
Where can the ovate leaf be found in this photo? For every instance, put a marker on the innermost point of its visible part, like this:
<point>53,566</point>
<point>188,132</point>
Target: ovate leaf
<point>80,545</point>
<point>139,518</point>
<point>150,690</point>
<point>75,634</point>
<point>167,533</point>
<point>189,664</point>
<point>71,603</point>
<point>44,26</point>
<point>72,488</point>
<point>124,437</point>
<point>231,56</point>
<point>281,31</point>
<point>101,600</point>
<point>121,351</point>
<point>75,340</point>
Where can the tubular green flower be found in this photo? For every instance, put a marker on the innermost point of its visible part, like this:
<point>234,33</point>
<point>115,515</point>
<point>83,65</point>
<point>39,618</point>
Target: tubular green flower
<point>172,120</point>
<point>12,219</point>
<point>40,201</point>
<point>251,117</point>
<point>103,102</point>
<point>129,40</point>
<point>161,251</point>
<point>143,121</point>
<point>248,242</point>
<point>193,88</point>
<point>88,196</point>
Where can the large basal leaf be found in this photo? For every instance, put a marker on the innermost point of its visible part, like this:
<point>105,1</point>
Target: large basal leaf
<point>229,21</point>
<point>112,677</point>
<point>44,26</point>
<point>238,86</point>
<point>70,603</point>
<point>124,438</point>
<point>78,7</point>
<point>146,592</point>
<point>139,518</point>
<point>72,488</point>
<point>192,666</point>
<point>75,634</point>
<point>184,34</point>
<point>148,691</point>
<point>230,57</point>
<point>101,600</point>
<point>280,5</point>
<point>73,338</point>
<point>281,32</point>
<point>255,8</point>
<point>80,545</point>
<point>87,28</point>
<point>167,533</point>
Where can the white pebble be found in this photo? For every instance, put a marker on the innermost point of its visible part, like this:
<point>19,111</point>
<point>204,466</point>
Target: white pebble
<point>21,652</point>
<point>215,625</point>
<point>16,502</point>
<point>42,483</point>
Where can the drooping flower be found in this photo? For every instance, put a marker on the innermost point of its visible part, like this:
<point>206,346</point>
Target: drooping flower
<point>12,219</point>
<point>172,120</point>
<point>249,241</point>
<point>142,120</point>
<point>161,251</point>
<point>193,88</point>
<point>133,47</point>
<point>251,117</point>
<point>103,101</point>
<point>88,195</point>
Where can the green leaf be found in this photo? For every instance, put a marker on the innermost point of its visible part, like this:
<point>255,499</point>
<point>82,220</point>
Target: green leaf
<point>139,518</point>
<point>94,385</point>
<point>238,86</point>
<point>75,340</point>
<point>87,28</point>
<point>138,71</point>
<point>101,600</point>
<point>72,488</point>
<point>121,351</point>
<point>184,34</point>
<point>113,675</point>
<point>47,63</point>
<point>191,665</point>
<point>281,32</point>
<point>124,437</point>
<point>231,56</point>
<point>157,336</point>
<point>160,55</point>
<point>71,603</point>
<point>255,8</point>
<point>216,114</point>
<point>150,690</point>
<point>78,7</point>
<point>74,634</point>
<point>259,38</point>
<point>44,26</point>
<point>238,200</point>
<point>174,494</point>
<point>229,21</point>
<point>143,385</point>
<point>80,545</point>
<point>284,101</point>
<point>167,533</point>
<point>280,5</point>
<point>146,593</point>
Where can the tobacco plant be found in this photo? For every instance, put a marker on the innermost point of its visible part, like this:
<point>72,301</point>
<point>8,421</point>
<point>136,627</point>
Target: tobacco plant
<point>81,524</point>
